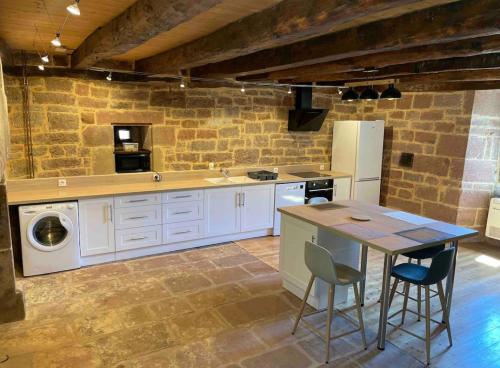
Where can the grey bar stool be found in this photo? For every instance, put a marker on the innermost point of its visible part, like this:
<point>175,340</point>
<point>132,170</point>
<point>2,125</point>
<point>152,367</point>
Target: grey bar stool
<point>423,276</point>
<point>321,264</point>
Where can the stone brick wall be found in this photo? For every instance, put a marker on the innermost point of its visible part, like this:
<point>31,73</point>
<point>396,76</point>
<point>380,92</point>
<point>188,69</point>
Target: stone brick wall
<point>72,133</point>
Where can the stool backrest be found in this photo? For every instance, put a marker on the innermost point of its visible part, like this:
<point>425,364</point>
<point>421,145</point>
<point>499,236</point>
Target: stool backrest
<point>440,266</point>
<point>320,262</point>
<point>317,200</point>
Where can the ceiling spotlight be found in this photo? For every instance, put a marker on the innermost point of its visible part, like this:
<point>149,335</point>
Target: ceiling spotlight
<point>242,89</point>
<point>182,84</point>
<point>339,90</point>
<point>370,69</point>
<point>369,94</point>
<point>73,8</point>
<point>45,58</point>
<point>350,95</point>
<point>289,90</point>
<point>57,40</point>
<point>41,67</point>
<point>109,76</point>
<point>391,93</point>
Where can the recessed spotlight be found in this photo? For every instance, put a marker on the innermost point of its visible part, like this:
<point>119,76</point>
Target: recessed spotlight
<point>73,8</point>
<point>57,40</point>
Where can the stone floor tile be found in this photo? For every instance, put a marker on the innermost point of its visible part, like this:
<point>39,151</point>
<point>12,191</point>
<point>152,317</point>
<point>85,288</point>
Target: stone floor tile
<point>169,307</point>
<point>230,274</point>
<point>235,345</point>
<point>234,260</point>
<point>216,296</point>
<point>187,282</point>
<point>268,283</point>
<point>127,343</point>
<point>213,252</point>
<point>258,268</point>
<point>285,357</point>
<point>253,310</point>
<point>278,331</point>
<point>93,273</point>
<point>197,325</point>
<point>148,263</point>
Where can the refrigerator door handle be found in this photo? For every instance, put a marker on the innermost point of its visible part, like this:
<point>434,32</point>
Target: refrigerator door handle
<point>369,179</point>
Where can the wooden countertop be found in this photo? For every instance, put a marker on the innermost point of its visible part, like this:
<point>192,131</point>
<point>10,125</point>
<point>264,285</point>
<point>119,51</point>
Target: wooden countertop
<point>381,231</point>
<point>57,194</point>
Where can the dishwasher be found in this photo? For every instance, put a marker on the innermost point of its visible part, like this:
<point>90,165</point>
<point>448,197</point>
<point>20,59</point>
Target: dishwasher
<point>289,194</point>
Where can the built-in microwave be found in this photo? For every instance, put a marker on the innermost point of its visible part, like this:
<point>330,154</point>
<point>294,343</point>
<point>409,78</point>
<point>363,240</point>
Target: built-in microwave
<point>128,162</point>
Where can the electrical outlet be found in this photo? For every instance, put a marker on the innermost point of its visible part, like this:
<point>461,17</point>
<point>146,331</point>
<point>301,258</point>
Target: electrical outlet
<point>211,166</point>
<point>275,170</point>
<point>321,167</point>
<point>62,183</point>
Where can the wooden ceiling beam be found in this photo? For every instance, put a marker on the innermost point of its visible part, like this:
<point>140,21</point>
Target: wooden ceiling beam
<point>453,86</point>
<point>488,61</point>
<point>287,22</point>
<point>140,22</point>
<point>461,48</point>
<point>447,23</point>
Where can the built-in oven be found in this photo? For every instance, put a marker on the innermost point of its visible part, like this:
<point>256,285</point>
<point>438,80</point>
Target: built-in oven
<point>319,188</point>
<point>128,162</point>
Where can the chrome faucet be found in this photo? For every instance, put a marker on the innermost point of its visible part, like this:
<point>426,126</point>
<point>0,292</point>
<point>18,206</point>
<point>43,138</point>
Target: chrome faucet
<point>225,172</point>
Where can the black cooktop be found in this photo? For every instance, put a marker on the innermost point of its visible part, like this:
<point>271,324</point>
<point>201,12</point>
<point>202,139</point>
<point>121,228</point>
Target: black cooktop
<point>309,174</point>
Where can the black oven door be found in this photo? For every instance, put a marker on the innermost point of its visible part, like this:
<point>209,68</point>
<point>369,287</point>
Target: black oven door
<point>137,162</point>
<point>319,188</point>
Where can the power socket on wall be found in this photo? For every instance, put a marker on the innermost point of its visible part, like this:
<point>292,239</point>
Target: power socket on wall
<point>62,183</point>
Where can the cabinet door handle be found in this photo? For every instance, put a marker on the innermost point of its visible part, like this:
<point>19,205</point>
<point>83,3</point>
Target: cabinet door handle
<point>313,238</point>
<point>182,232</point>
<point>182,212</point>
<point>183,196</point>
<point>136,239</point>
<point>105,214</point>
<point>137,200</point>
<point>335,190</point>
<point>110,207</point>
<point>137,217</point>
<point>238,200</point>
<point>244,199</point>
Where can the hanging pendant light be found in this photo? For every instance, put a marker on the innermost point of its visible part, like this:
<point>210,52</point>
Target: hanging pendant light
<point>391,93</point>
<point>45,58</point>
<point>350,95</point>
<point>242,89</point>
<point>289,90</point>
<point>109,77</point>
<point>41,67</point>
<point>57,40</point>
<point>369,94</point>
<point>73,8</point>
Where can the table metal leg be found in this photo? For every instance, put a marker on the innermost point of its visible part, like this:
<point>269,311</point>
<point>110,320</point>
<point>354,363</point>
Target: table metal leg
<point>384,302</point>
<point>451,279</point>
<point>364,260</point>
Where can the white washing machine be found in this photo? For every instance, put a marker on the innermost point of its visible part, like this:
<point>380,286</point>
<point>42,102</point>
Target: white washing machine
<point>49,238</point>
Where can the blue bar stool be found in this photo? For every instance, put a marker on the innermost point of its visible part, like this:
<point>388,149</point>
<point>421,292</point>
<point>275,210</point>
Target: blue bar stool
<point>321,264</point>
<point>423,276</point>
<point>419,255</point>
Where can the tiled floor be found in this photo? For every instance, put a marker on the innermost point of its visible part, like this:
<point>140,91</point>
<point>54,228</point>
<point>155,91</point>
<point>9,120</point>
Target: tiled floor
<point>223,306</point>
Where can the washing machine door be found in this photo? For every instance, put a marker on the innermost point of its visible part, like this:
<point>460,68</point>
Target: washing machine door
<point>50,231</point>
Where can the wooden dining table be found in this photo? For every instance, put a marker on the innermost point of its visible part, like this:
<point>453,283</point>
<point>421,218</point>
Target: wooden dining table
<point>385,230</point>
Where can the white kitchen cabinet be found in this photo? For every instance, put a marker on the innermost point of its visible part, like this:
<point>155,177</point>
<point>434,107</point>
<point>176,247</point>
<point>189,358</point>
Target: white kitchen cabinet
<point>222,211</point>
<point>257,207</point>
<point>130,217</point>
<point>97,230</point>
<point>140,237</point>
<point>341,189</point>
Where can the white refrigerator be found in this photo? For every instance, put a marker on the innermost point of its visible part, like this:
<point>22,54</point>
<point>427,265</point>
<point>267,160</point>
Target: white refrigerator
<point>357,149</point>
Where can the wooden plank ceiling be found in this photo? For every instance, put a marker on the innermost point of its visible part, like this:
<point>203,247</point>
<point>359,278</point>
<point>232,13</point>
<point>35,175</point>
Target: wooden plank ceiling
<point>424,44</point>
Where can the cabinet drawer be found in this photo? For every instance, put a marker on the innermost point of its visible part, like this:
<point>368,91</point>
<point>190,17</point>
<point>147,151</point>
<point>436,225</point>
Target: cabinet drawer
<point>182,196</point>
<point>138,238</point>
<point>130,217</point>
<point>182,211</point>
<point>137,200</point>
<point>182,231</point>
